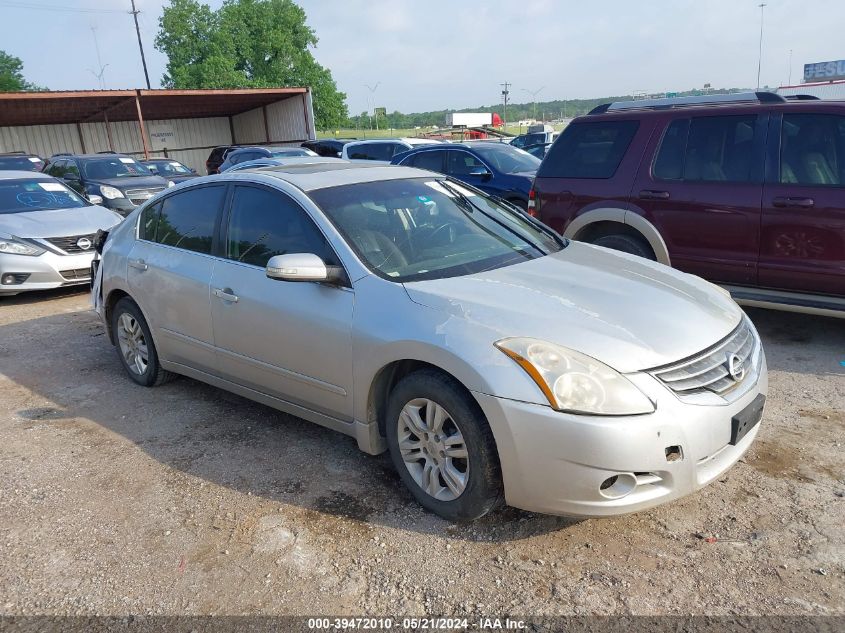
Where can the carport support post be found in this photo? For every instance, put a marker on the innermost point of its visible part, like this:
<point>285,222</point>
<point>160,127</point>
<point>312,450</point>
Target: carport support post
<point>142,128</point>
<point>108,131</point>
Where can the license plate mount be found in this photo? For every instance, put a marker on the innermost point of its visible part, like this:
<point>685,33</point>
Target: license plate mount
<point>747,419</point>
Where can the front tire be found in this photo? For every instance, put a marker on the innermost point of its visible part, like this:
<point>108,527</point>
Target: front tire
<point>135,346</point>
<point>442,447</point>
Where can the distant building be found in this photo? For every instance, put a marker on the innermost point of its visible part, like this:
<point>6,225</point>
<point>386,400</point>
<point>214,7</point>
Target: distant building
<point>834,90</point>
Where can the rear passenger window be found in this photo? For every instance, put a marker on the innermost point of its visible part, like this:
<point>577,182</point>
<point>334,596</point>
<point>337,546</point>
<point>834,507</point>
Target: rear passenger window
<point>669,164</point>
<point>589,150</point>
<point>430,159</point>
<point>812,150</point>
<point>149,220</point>
<point>375,151</point>
<point>187,218</point>
<point>719,149</point>
<point>266,223</point>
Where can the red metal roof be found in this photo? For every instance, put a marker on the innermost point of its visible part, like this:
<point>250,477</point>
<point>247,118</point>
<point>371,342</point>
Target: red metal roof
<point>45,108</point>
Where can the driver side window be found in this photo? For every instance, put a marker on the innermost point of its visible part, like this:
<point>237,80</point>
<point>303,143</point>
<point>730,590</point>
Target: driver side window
<point>462,163</point>
<point>265,223</point>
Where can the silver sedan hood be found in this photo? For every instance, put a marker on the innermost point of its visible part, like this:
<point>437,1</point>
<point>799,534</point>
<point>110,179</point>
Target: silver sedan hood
<point>627,312</point>
<point>58,222</point>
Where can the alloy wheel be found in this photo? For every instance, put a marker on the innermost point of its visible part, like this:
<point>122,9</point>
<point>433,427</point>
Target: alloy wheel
<point>133,345</point>
<point>433,449</point>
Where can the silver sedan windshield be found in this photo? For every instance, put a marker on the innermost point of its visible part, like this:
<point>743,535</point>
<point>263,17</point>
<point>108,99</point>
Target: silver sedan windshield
<point>425,228</point>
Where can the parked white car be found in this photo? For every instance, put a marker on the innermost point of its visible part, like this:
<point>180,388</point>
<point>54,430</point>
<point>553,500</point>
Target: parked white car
<point>46,233</point>
<point>382,150</point>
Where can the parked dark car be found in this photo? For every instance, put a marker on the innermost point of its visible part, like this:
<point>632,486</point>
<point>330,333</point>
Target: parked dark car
<point>216,158</point>
<point>170,169</point>
<point>746,190</point>
<point>331,147</point>
<point>496,168</point>
<point>121,181</point>
<point>21,161</point>
<point>243,154</point>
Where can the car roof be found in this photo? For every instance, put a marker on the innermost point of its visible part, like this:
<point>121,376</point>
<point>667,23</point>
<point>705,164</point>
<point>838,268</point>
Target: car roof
<point>56,157</point>
<point>159,159</point>
<point>321,175</point>
<point>686,110</point>
<point>16,173</point>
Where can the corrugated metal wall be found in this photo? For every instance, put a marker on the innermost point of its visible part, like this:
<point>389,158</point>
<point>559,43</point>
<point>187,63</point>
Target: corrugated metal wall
<point>834,90</point>
<point>290,122</point>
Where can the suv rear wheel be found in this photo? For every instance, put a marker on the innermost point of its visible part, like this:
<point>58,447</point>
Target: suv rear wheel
<point>627,244</point>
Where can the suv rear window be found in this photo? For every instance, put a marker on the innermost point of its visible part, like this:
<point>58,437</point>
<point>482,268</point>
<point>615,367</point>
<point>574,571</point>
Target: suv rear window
<point>374,151</point>
<point>813,150</point>
<point>589,150</point>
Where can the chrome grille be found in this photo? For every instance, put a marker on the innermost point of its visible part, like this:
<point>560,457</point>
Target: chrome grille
<point>70,244</point>
<point>710,370</point>
<point>139,196</point>
<point>76,274</point>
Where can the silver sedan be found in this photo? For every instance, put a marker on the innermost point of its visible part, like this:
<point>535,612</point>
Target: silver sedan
<point>495,360</point>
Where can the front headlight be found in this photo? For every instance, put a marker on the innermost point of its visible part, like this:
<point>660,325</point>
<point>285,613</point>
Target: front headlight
<point>110,192</point>
<point>12,246</point>
<point>574,382</point>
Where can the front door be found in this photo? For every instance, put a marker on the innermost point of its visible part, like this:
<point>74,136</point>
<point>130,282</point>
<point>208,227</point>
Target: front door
<point>169,270</point>
<point>291,340</point>
<point>803,227</point>
<point>702,193</point>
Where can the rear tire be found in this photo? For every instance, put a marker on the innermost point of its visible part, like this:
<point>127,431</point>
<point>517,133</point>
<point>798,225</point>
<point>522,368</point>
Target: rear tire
<point>135,346</point>
<point>442,447</point>
<point>626,244</point>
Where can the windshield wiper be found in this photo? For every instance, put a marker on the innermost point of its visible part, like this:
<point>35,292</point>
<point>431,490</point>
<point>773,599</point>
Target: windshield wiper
<point>515,210</point>
<point>469,204</point>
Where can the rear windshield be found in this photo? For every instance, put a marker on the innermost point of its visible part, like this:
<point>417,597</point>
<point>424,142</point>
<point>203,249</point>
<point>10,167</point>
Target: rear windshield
<point>168,168</point>
<point>21,163</point>
<point>293,151</point>
<point>114,167</point>
<point>589,149</point>
<point>21,195</point>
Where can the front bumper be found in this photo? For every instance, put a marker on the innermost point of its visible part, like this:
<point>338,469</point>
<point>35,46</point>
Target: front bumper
<point>555,463</point>
<point>123,206</point>
<point>45,271</point>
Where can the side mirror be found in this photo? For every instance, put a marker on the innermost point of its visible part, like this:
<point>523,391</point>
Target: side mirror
<point>481,172</point>
<point>299,267</point>
<point>95,199</point>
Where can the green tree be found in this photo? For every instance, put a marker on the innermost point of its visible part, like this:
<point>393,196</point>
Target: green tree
<point>246,44</point>
<point>11,75</point>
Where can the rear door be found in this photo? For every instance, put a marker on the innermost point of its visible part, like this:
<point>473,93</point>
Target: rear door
<point>431,159</point>
<point>170,270</point>
<point>803,227</point>
<point>703,193</point>
<point>590,166</point>
<point>291,340</point>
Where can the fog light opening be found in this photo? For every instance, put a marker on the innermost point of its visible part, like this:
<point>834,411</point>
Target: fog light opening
<point>13,279</point>
<point>618,486</point>
<point>674,454</point>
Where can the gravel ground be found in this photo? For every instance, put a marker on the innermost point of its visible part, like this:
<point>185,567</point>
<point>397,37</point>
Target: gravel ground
<point>188,500</point>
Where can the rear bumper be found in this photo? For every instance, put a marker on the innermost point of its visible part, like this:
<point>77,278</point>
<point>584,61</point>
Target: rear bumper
<point>45,272</point>
<point>555,463</point>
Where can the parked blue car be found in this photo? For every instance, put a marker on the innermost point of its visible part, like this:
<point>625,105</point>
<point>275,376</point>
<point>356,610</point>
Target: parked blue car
<point>496,168</point>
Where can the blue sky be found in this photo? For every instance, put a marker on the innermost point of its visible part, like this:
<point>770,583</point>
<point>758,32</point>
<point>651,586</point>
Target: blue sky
<point>453,54</point>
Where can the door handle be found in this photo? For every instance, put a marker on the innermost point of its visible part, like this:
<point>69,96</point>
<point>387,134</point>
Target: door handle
<point>140,264</point>
<point>650,194</point>
<point>226,294</point>
<point>803,203</point>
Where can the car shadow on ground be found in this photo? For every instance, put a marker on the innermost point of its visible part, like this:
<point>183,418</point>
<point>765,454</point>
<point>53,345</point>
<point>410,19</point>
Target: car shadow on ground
<point>218,437</point>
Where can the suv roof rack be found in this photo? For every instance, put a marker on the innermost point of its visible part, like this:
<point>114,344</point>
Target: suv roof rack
<point>62,154</point>
<point>675,102</point>
<point>801,98</point>
<point>14,152</point>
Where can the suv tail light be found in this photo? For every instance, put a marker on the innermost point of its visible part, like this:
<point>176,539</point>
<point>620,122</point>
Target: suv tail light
<point>533,210</point>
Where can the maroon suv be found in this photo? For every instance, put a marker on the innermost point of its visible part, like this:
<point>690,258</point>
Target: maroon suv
<point>746,190</point>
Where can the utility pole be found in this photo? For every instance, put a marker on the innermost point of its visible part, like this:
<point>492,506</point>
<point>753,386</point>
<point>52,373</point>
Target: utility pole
<point>505,93</point>
<point>100,74</point>
<point>789,81</point>
<point>762,6</point>
<point>135,13</point>
<point>372,90</point>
